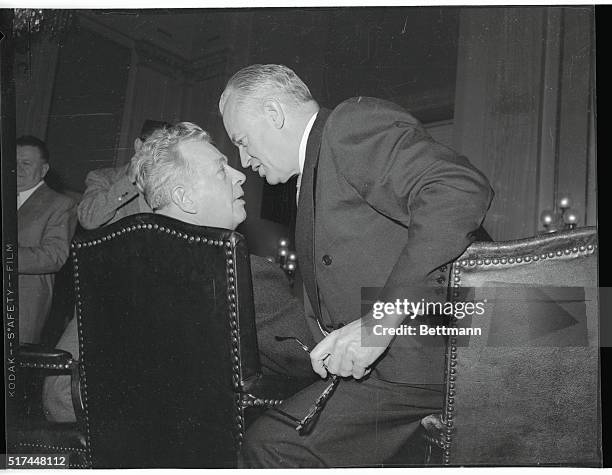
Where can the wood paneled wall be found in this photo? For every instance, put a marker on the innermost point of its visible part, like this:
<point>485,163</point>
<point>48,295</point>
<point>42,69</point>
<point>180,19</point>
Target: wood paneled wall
<point>34,78</point>
<point>523,109</point>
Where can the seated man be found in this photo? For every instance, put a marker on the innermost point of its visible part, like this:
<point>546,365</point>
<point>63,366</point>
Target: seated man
<point>46,221</point>
<point>110,193</point>
<point>183,176</point>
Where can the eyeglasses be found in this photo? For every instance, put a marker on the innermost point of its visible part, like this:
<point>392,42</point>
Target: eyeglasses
<point>305,424</point>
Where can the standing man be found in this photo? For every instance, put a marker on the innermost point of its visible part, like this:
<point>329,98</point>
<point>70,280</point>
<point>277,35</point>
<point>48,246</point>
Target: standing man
<point>380,204</point>
<point>45,225</point>
<point>110,193</point>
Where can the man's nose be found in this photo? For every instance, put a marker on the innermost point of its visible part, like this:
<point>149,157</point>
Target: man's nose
<point>239,177</point>
<point>245,158</point>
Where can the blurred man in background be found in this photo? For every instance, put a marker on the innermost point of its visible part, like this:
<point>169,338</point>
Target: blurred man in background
<point>46,221</point>
<point>110,193</point>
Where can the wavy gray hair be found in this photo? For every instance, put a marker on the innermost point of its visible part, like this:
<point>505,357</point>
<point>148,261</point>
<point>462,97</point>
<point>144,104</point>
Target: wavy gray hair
<point>260,81</point>
<point>159,164</point>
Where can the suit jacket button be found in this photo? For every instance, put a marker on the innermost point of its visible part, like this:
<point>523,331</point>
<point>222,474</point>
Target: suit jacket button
<point>327,260</point>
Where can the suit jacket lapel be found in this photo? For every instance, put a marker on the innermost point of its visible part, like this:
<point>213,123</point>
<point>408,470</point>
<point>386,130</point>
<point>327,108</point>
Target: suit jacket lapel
<point>305,220</point>
<point>33,204</point>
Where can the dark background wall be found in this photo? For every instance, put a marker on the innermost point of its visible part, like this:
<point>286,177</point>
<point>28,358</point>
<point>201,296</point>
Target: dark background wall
<point>512,88</point>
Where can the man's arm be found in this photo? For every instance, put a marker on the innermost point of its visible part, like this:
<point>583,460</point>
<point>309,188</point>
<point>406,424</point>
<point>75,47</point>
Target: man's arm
<point>106,191</point>
<point>436,195</point>
<point>278,313</point>
<point>51,254</point>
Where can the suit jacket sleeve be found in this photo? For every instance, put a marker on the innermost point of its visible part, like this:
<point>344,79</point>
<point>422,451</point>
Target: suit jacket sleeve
<point>50,255</point>
<point>397,168</point>
<point>272,295</point>
<point>106,191</point>
<point>279,313</point>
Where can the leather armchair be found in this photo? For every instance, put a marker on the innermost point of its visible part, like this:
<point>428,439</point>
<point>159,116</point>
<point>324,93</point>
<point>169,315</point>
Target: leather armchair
<point>29,434</point>
<point>169,368</point>
<point>524,392</point>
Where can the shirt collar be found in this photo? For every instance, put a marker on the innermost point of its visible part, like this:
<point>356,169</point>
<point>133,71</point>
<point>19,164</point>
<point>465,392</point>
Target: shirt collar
<point>24,195</point>
<point>302,150</point>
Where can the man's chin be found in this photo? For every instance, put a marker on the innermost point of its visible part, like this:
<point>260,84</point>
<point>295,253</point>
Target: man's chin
<point>274,180</point>
<point>239,217</point>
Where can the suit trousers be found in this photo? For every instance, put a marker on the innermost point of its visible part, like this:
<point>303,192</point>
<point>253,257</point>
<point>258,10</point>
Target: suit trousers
<point>363,423</point>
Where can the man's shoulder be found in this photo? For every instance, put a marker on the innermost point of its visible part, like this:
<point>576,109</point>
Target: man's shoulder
<point>109,173</point>
<point>365,104</point>
<point>359,115</point>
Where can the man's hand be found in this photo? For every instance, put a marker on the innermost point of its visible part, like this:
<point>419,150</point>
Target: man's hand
<point>341,352</point>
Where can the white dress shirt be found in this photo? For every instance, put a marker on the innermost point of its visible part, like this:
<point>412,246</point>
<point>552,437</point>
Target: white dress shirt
<point>302,153</point>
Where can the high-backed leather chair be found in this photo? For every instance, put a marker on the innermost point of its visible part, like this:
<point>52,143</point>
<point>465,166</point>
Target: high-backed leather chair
<point>168,362</point>
<point>525,391</point>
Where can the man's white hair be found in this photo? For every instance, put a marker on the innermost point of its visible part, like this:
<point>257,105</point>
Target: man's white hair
<point>261,81</point>
<point>160,166</point>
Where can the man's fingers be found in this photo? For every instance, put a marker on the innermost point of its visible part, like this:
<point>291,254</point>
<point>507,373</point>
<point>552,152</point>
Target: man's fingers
<point>359,371</point>
<point>334,363</point>
<point>318,367</point>
<point>320,356</point>
<point>346,366</point>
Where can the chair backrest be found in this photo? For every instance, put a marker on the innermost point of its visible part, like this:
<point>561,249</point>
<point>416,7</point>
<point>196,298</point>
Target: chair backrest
<point>167,339</point>
<point>526,390</point>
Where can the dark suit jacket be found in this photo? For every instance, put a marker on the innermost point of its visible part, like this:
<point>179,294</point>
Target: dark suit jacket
<point>391,207</point>
<point>109,196</point>
<point>45,225</point>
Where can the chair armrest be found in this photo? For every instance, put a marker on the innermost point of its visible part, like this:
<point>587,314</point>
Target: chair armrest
<point>268,390</point>
<point>38,356</point>
<point>436,430</point>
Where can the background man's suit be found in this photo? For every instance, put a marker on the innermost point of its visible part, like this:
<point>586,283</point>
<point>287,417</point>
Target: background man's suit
<point>109,196</point>
<point>381,205</point>
<point>45,225</point>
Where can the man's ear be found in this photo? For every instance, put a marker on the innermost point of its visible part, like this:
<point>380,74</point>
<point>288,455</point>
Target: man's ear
<point>45,169</point>
<point>181,199</point>
<point>273,109</point>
